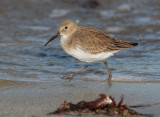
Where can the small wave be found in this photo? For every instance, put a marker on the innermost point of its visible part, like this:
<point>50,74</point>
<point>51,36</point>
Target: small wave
<point>129,80</point>
<point>59,13</point>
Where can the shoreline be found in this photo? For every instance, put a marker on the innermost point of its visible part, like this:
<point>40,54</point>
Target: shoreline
<point>38,99</point>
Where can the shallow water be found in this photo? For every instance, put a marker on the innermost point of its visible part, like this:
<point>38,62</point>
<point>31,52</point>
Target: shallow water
<point>26,25</point>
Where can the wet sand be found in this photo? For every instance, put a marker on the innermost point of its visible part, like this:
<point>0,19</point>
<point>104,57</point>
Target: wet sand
<point>38,99</point>
<point>11,83</point>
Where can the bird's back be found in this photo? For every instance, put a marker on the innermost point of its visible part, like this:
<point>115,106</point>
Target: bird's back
<point>95,41</point>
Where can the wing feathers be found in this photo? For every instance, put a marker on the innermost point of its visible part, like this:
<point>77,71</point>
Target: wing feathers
<point>96,41</point>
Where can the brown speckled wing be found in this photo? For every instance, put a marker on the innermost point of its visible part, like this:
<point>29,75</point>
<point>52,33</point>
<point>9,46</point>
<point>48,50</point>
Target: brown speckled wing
<point>96,41</point>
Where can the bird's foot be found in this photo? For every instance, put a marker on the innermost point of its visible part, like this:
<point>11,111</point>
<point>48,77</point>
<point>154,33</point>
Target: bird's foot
<point>109,80</point>
<point>69,76</point>
<point>109,77</point>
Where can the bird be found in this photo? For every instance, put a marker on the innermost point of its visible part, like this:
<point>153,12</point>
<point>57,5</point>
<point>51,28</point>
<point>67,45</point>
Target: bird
<point>88,44</point>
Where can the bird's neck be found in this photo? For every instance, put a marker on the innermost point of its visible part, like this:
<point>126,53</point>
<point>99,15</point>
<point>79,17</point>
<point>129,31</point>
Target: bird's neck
<point>65,42</point>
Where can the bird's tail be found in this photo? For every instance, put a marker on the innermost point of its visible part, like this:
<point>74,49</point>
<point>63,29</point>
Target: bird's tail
<point>134,44</point>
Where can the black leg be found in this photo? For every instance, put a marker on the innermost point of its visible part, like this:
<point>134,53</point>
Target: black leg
<point>74,73</point>
<point>110,75</point>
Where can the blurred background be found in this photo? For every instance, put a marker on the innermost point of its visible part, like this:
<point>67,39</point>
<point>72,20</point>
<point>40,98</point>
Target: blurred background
<point>26,25</point>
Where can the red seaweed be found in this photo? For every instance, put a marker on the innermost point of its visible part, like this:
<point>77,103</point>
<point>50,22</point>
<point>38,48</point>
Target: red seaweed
<point>105,105</point>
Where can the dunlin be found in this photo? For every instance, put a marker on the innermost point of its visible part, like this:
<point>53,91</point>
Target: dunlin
<point>88,44</point>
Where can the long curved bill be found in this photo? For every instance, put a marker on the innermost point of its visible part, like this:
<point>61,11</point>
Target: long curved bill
<point>52,38</point>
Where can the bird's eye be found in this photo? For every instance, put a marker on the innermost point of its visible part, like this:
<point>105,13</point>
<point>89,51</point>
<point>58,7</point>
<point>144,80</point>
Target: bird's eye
<point>66,27</point>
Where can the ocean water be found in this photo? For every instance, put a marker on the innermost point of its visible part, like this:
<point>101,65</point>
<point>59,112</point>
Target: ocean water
<point>25,26</point>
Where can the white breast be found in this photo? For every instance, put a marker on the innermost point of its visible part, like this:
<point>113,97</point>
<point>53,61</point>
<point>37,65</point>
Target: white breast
<point>88,57</point>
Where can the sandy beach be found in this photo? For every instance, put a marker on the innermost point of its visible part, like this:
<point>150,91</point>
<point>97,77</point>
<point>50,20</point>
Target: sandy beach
<point>38,99</point>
